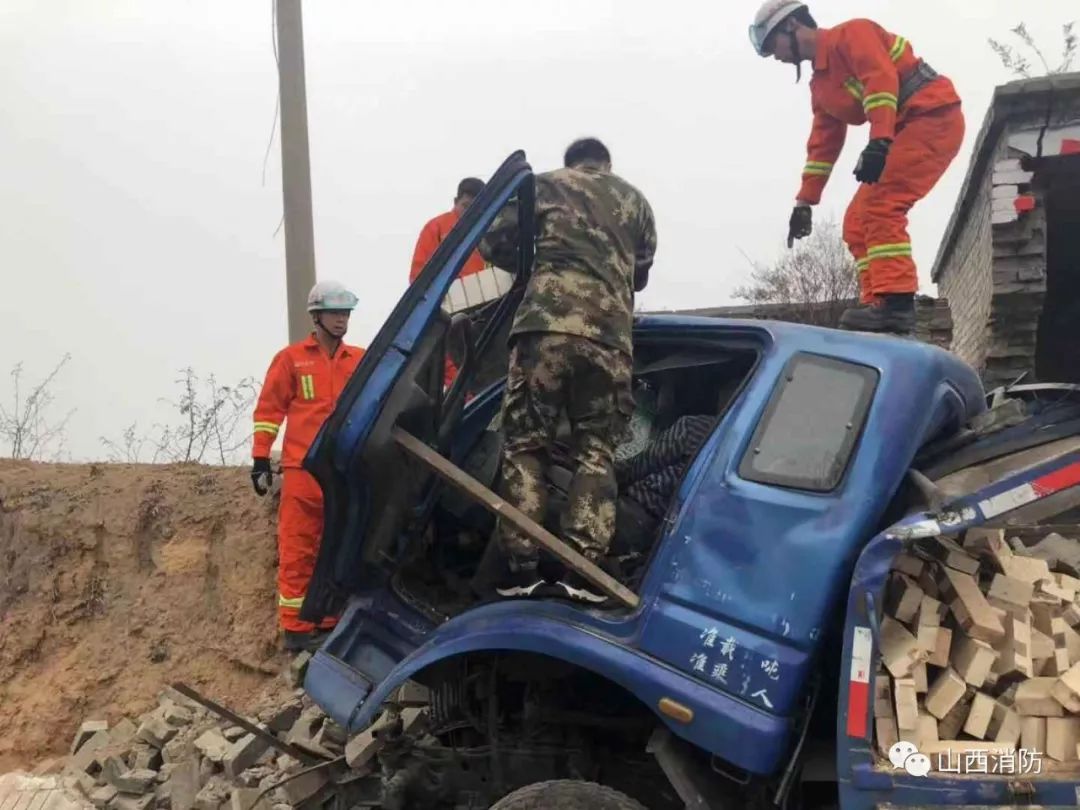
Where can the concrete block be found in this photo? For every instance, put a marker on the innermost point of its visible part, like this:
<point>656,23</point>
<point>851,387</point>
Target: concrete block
<point>123,802</point>
<point>212,796</point>
<point>1033,733</point>
<point>103,796</point>
<point>212,745</point>
<point>972,659</point>
<point>185,784</point>
<point>87,730</point>
<point>968,604</point>
<point>145,757</point>
<point>886,733</point>
<point>123,732</point>
<point>176,715</point>
<point>155,731</point>
<point>136,782</point>
<point>978,719</point>
<point>86,756</point>
<point>304,787</point>
<point>244,798</point>
<point>242,754</point>
<point>899,648</point>
<point>285,718</point>
<point>163,796</point>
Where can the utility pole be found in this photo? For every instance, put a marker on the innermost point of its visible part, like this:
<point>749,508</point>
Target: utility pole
<point>295,167</point>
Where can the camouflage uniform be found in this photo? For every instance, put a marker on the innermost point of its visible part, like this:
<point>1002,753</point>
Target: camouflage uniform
<point>571,346</point>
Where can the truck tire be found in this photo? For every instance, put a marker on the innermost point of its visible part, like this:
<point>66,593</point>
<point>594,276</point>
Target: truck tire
<point>566,794</point>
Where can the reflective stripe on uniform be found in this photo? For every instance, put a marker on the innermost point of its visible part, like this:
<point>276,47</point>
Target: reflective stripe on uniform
<point>862,263</point>
<point>897,49</point>
<point>875,100</point>
<point>817,168</point>
<point>855,87</point>
<point>284,601</point>
<point>307,386</point>
<point>267,427</point>
<point>888,251</point>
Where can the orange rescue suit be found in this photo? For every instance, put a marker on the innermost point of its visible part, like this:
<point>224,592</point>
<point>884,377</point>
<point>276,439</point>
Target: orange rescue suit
<point>431,237</point>
<point>301,388</point>
<point>859,70</point>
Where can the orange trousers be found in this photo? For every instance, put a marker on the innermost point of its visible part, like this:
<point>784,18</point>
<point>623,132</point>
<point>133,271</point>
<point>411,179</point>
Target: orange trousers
<point>300,525</point>
<point>875,224</point>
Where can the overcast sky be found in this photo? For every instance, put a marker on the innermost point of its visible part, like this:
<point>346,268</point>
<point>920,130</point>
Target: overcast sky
<point>137,233</point>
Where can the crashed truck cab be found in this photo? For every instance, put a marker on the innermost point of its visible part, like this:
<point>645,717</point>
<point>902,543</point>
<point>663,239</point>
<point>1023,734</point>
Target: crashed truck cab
<point>745,595</point>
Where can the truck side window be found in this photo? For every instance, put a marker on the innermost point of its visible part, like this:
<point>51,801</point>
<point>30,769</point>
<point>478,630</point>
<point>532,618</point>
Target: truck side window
<point>811,424</point>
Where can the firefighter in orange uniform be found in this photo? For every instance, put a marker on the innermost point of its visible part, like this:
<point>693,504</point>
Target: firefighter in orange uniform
<point>302,385</point>
<point>431,236</point>
<point>863,73</point>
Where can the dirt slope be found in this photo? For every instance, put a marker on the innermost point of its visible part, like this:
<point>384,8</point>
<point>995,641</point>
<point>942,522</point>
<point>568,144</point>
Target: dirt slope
<point>118,579</point>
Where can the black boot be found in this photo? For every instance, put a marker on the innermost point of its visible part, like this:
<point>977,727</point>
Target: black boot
<point>893,313</point>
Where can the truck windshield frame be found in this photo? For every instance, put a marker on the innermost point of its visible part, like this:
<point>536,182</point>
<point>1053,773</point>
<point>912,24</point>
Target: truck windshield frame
<point>811,425</point>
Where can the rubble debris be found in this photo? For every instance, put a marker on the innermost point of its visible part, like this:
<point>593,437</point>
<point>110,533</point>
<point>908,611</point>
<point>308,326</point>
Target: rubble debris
<point>156,731</point>
<point>298,668</point>
<point>212,745</point>
<point>87,730</point>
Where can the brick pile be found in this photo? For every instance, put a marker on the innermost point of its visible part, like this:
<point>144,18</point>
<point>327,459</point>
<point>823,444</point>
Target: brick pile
<point>979,648</point>
<point>180,756</point>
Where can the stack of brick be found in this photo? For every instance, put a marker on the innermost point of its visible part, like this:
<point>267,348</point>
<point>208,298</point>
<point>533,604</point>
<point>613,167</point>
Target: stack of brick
<point>181,757</point>
<point>980,649</point>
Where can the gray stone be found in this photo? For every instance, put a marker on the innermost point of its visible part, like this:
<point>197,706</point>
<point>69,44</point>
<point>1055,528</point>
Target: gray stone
<point>244,798</point>
<point>284,718</point>
<point>86,756</point>
<point>137,782</point>
<point>212,745</point>
<point>412,694</point>
<point>233,733</point>
<point>289,764</point>
<point>123,732</point>
<point>177,715</point>
<point>243,753</point>
<point>361,749</point>
<point>207,769</point>
<point>178,749</point>
<point>101,797</point>
<point>213,794</point>
<point>85,732</point>
<point>331,734</point>
<point>163,796</point>
<point>166,771</point>
<point>304,787</point>
<point>185,784</point>
<point>122,802</point>
<point>156,732</point>
<point>112,768</point>
<point>145,757</point>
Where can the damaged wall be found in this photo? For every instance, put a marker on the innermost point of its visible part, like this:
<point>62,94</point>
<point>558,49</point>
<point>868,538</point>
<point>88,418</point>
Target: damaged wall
<point>992,264</point>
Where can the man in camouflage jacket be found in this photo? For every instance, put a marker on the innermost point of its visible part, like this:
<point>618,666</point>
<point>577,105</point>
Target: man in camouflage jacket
<point>570,350</point>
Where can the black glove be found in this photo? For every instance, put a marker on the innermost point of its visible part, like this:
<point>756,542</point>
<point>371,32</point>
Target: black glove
<point>801,224</point>
<point>261,476</point>
<point>872,160</point>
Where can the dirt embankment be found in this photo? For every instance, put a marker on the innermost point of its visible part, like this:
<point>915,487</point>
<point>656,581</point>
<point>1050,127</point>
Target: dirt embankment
<point>116,580</point>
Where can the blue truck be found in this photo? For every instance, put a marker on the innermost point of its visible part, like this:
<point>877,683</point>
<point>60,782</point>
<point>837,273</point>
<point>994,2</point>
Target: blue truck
<point>739,675</point>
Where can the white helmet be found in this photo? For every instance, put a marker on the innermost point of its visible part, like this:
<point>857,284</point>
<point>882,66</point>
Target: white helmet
<point>769,17</point>
<point>330,295</point>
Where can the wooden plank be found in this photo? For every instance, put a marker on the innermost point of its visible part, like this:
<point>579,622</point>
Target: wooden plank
<point>522,522</point>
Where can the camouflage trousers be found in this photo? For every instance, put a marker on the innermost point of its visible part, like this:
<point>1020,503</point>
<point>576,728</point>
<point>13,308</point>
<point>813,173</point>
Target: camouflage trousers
<point>550,374</point>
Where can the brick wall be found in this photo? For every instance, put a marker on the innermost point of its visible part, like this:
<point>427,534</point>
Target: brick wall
<point>966,279</point>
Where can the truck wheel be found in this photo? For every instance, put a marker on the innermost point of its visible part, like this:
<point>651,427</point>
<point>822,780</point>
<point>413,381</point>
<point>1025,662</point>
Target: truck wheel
<point>566,794</point>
